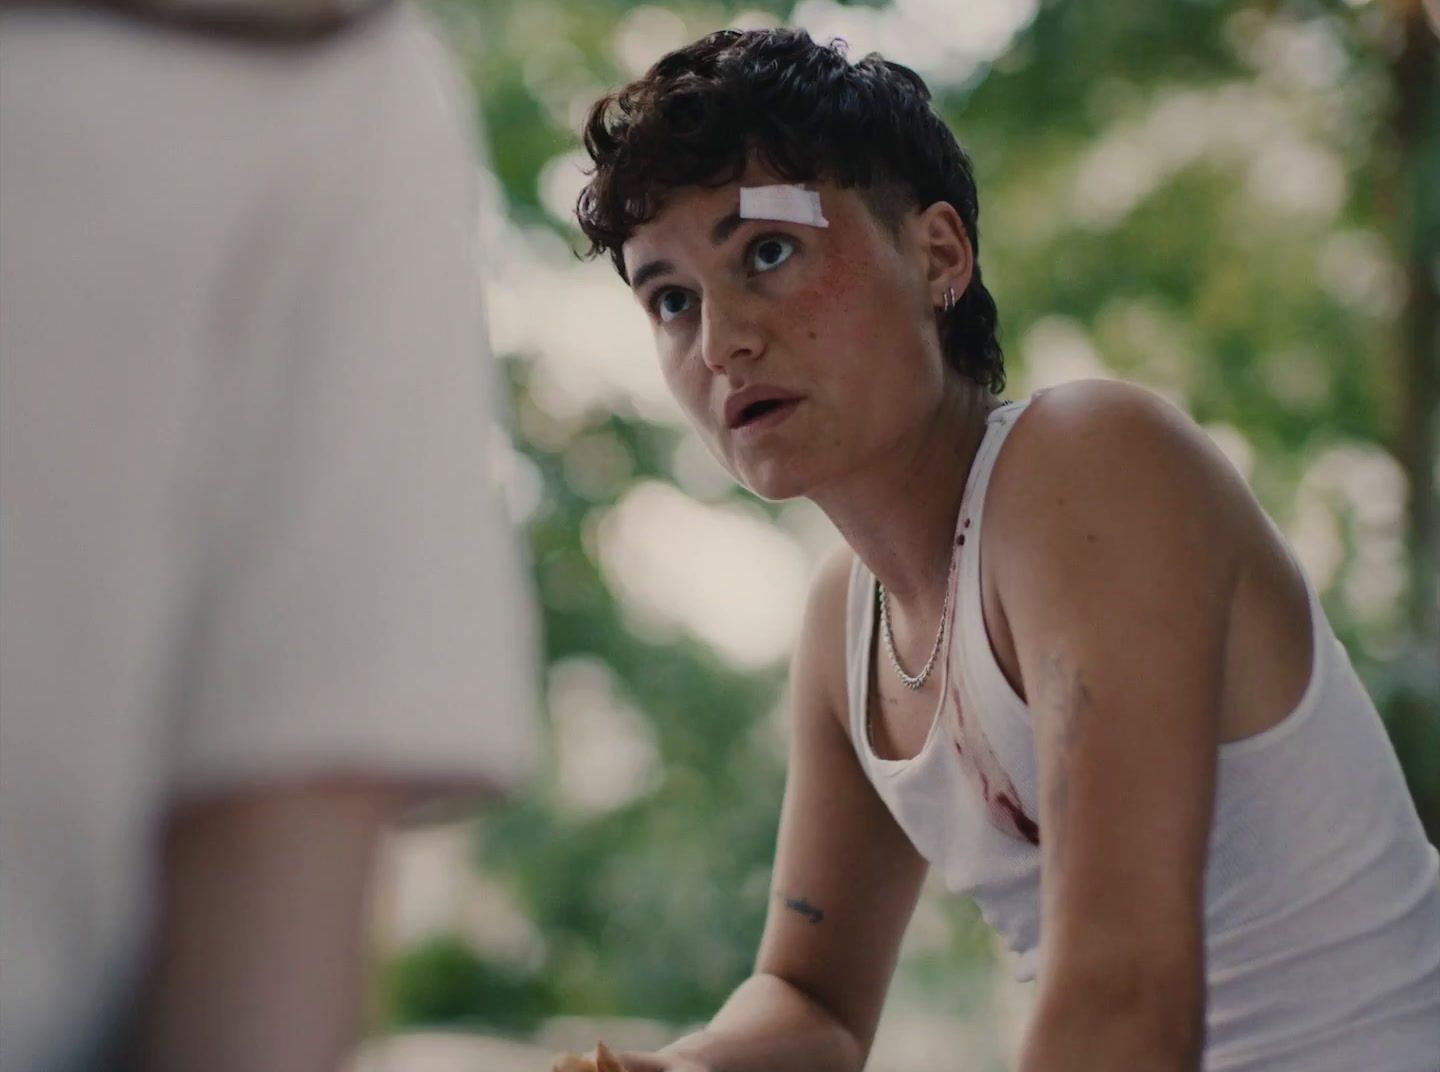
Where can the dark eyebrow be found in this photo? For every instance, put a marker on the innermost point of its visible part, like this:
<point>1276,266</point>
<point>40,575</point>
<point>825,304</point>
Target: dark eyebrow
<point>723,229</point>
<point>650,271</point>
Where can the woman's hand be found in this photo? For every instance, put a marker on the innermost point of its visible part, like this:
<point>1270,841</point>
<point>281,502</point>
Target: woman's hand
<point>606,1061</point>
<point>656,1062</point>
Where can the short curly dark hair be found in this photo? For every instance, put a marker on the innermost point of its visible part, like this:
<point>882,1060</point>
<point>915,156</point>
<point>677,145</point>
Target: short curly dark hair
<point>701,113</point>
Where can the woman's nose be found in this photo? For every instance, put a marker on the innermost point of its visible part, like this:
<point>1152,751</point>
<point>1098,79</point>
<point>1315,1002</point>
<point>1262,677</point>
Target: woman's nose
<point>728,332</point>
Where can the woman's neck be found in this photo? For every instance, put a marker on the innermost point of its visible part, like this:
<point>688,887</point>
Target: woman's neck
<point>899,513</point>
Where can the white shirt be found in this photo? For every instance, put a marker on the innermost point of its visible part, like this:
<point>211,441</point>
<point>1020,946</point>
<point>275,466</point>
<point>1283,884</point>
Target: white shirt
<point>248,529</point>
<point>1322,901</point>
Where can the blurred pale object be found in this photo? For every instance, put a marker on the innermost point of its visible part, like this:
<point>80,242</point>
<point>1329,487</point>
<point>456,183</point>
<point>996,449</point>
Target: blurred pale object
<point>926,34</point>
<point>556,74</point>
<point>1297,376</point>
<point>1151,342</point>
<point>1358,269</point>
<point>597,464</point>
<point>1364,489</point>
<point>605,752</point>
<point>250,541</point>
<point>912,1041</point>
<point>1357,490</point>
<point>435,1051</point>
<point>1238,125</point>
<point>517,478</point>
<point>589,343</point>
<point>644,35</point>
<point>1233,443</point>
<point>722,573</point>
<point>1057,350</point>
<point>1306,54</point>
<point>560,182</point>
<point>753,19</point>
<point>1294,177</point>
<point>431,888</point>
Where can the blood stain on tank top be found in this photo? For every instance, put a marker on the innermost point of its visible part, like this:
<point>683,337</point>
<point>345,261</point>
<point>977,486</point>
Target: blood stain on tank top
<point>996,789</point>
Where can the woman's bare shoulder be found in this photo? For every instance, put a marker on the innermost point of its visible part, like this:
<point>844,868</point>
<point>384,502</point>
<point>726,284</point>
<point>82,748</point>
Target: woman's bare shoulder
<point>1103,439</point>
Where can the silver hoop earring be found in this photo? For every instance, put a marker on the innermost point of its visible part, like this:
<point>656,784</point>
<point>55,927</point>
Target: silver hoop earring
<point>948,302</point>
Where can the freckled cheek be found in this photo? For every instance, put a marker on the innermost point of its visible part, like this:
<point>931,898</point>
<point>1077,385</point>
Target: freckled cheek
<point>834,306</point>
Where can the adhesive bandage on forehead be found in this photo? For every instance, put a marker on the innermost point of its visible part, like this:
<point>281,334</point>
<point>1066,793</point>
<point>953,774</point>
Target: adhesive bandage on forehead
<point>788,203</point>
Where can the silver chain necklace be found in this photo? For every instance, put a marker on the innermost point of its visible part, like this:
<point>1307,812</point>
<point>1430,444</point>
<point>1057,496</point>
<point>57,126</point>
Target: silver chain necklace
<point>917,680</point>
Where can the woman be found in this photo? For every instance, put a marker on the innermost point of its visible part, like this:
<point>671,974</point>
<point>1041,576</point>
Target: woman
<point>1064,657</point>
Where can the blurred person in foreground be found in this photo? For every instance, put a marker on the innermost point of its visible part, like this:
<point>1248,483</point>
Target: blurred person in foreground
<point>258,592</point>
<point>1126,729</point>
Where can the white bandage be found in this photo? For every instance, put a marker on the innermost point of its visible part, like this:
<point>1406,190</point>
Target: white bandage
<point>793,204</point>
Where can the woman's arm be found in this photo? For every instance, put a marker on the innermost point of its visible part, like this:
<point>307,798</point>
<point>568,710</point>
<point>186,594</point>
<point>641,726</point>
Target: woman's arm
<point>845,883</point>
<point>766,1023</point>
<point>1116,562</point>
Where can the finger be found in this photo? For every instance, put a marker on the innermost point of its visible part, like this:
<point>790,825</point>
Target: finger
<point>605,1060</point>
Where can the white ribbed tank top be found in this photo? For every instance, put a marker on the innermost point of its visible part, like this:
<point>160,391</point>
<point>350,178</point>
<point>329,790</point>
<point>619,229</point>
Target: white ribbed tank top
<point>1322,895</point>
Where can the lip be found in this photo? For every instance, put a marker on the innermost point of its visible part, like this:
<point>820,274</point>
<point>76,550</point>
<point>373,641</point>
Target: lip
<point>739,401</point>
<point>766,421</point>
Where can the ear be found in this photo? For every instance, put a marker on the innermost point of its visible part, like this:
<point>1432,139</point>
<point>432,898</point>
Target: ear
<point>944,244</point>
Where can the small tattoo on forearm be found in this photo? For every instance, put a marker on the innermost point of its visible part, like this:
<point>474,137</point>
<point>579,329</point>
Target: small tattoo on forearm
<point>812,914</point>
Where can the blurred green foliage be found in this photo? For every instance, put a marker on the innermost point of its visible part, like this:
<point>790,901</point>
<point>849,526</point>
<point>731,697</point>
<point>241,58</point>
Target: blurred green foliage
<point>1285,322</point>
<point>443,981</point>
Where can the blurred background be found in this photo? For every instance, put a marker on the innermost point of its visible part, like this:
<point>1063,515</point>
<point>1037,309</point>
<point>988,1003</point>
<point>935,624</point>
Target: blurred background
<point>1234,203</point>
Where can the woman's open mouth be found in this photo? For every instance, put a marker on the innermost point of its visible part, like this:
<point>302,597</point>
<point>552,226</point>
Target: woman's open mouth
<point>765,414</point>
